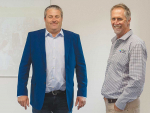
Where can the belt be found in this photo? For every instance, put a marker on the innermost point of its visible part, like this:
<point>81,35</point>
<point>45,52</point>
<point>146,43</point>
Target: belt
<point>111,100</point>
<point>57,92</point>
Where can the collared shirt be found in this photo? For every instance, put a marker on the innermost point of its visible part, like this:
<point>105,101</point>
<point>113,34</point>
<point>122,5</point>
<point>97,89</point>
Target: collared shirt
<point>125,72</point>
<point>55,59</point>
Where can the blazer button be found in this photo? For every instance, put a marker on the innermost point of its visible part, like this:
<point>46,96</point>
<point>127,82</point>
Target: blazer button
<point>44,82</point>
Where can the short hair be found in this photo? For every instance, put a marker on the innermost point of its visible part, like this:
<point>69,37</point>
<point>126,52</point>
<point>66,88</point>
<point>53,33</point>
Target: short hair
<point>126,10</point>
<point>54,7</point>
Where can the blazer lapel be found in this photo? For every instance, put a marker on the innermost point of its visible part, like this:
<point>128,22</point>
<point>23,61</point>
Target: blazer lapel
<point>41,37</point>
<point>67,44</point>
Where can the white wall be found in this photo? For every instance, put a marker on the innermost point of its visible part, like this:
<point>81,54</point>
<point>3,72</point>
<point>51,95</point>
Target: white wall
<point>91,19</point>
<point>8,96</point>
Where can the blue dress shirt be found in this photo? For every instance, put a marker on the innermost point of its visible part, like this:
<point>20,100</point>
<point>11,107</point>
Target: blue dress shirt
<point>55,58</point>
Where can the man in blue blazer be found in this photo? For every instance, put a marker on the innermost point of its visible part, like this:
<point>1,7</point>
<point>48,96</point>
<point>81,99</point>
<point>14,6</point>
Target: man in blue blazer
<point>54,54</point>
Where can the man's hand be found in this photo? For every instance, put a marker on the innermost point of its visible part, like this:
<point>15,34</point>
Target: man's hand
<point>23,101</point>
<point>117,109</point>
<point>80,101</point>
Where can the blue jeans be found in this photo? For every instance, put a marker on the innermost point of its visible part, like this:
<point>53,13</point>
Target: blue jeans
<point>53,104</point>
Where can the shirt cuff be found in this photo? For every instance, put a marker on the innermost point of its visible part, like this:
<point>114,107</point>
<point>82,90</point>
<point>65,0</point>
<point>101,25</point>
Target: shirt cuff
<point>120,105</point>
<point>81,96</point>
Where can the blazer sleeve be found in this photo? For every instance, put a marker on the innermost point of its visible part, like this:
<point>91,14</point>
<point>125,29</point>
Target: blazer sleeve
<point>24,69</point>
<point>81,73</point>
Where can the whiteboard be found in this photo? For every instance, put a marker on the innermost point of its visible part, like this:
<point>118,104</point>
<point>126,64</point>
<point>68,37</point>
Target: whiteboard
<point>17,18</point>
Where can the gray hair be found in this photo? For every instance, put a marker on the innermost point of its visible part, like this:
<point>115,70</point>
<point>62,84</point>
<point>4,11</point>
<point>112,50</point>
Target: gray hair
<point>54,7</point>
<point>126,10</point>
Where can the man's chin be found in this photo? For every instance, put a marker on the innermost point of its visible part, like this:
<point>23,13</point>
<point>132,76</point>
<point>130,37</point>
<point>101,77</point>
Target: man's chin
<point>54,29</point>
<point>117,32</point>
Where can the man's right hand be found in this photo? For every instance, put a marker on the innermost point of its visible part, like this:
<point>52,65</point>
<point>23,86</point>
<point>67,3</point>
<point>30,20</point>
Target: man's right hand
<point>23,101</point>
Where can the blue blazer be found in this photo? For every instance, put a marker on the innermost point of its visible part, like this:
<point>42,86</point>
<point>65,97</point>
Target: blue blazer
<point>34,53</point>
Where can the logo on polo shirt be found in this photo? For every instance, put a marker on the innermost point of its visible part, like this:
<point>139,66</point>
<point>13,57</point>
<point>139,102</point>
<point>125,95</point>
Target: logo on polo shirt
<point>122,51</point>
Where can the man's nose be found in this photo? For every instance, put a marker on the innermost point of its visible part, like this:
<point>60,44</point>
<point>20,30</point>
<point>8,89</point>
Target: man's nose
<point>54,19</point>
<point>116,21</point>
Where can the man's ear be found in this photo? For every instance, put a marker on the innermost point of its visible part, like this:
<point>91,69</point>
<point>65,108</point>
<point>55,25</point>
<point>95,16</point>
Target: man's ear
<point>129,21</point>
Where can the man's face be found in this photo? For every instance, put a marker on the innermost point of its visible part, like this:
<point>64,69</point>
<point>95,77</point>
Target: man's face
<point>119,22</point>
<point>53,20</point>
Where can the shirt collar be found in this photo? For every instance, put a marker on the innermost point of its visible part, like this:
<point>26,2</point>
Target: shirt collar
<point>124,37</point>
<point>61,34</point>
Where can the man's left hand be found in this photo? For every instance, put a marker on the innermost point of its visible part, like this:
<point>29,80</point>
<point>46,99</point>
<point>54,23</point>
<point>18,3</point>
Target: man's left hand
<point>80,101</point>
<point>117,109</point>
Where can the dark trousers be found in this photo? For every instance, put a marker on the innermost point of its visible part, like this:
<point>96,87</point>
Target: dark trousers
<point>53,104</point>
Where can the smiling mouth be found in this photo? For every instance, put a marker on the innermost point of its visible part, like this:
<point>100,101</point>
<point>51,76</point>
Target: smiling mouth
<point>117,26</point>
<point>54,23</point>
